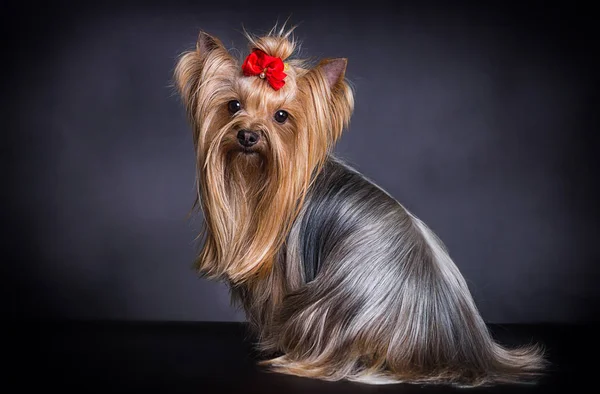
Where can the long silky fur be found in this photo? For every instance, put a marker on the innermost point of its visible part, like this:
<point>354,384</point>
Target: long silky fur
<point>337,278</point>
<point>379,299</point>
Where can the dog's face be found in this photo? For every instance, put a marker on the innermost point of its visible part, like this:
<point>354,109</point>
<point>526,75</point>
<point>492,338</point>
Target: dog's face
<point>258,143</point>
<point>258,120</point>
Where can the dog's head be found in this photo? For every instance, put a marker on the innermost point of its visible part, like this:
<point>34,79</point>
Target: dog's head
<point>262,127</point>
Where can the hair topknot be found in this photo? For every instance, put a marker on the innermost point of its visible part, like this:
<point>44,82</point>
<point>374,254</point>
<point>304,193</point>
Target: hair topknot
<point>277,42</point>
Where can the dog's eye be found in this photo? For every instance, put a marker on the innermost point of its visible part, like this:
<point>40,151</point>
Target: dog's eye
<point>234,106</point>
<point>281,116</point>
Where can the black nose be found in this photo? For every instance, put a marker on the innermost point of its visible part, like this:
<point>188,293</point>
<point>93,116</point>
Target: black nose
<point>247,138</point>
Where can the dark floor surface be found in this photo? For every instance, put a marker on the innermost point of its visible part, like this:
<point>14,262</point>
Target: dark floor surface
<point>219,358</point>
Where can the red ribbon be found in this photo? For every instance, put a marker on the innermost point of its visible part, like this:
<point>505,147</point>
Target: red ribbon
<point>266,67</point>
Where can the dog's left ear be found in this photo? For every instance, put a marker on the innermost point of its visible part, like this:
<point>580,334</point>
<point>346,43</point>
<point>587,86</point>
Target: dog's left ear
<point>334,71</point>
<point>327,82</point>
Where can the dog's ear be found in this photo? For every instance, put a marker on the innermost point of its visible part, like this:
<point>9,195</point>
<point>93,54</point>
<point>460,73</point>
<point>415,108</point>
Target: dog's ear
<point>209,60</point>
<point>339,96</point>
<point>206,44</point>
<point>334,71</point>
<point>327,97</point>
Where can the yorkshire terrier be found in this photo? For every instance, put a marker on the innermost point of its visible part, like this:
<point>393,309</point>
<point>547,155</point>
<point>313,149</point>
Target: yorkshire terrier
<point>336,277</point>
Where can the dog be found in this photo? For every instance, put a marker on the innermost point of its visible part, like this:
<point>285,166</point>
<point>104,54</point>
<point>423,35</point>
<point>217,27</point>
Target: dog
<point>338,280</point>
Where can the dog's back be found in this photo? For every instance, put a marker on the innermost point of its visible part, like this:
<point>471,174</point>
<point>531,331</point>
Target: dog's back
<point>382,301</point>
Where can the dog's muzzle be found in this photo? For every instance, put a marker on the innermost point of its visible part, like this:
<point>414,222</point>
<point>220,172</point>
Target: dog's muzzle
<point>247,138</point>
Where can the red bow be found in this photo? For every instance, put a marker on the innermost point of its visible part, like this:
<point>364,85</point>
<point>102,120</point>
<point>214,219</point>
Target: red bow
<point>265,66</point>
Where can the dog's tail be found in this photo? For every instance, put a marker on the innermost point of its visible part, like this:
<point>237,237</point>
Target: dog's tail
<point>440,335</point>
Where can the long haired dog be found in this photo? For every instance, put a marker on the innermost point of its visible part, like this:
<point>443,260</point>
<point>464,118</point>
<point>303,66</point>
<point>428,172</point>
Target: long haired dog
<point>337,278</point>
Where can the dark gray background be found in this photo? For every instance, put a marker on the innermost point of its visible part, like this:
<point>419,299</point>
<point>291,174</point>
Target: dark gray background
<point>479,120</point>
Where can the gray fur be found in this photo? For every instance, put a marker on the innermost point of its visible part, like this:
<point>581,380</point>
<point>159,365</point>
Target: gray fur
<point>379,299</point>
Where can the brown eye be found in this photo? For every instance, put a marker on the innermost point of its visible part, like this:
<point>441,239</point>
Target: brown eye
<point>281,116</point>
<point>234,106</point>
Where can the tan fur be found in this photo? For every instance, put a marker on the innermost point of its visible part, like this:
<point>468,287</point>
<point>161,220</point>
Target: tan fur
<point>240,239</point>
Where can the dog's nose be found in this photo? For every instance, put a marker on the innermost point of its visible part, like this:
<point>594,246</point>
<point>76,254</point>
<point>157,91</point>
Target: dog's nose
<point>247,138</point>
